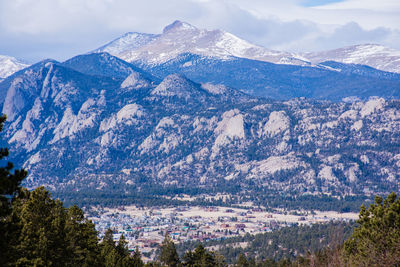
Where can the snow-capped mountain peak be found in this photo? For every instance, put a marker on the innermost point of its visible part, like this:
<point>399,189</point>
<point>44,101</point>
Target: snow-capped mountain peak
<point>9,65</point>
<point>374,55</point>
<point>178,26</point>
<point>181,37</point>
<point>127,42</point>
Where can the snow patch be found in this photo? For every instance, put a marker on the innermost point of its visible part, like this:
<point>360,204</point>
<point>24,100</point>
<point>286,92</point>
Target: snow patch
<point>9,65</point>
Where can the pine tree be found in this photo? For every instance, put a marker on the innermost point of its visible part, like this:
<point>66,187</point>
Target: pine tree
<point>122,247</point>
<point>81,239</point>
<point>36,230</point>
<point>376,240</point>
<point>242,261</point>
<point>189,259</point>
<point>42,233</point>
<point>136,259</point>
<point>201,257</point>
<point>168,255</point>
<point>124,258</point>
<point>109,253</point>
<point>9,189</point>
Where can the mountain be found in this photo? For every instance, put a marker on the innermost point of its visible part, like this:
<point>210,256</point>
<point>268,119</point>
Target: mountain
<point>181,37</point>
<point>373,55</point>
<point>128,42</point>
<point>218,57</point>
<point>9,65</point>
<point>329,80</point>
<point>97,132</point>
<point>104,64</point>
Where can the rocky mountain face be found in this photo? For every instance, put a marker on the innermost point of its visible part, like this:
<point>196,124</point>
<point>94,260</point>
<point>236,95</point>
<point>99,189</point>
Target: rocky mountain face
<point>165,111</point>
<point>96,122</point>
<point>9,65</point>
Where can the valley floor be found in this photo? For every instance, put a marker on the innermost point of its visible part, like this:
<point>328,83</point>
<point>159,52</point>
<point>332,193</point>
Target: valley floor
<point>145,227</point>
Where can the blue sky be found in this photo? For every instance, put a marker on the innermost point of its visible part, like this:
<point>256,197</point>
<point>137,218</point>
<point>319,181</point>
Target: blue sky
<point>37,29</point>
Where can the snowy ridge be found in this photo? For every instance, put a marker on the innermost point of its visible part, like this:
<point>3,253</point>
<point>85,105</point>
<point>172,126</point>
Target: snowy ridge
<point>129,41</point>
<point>373,55</point>
<point>180,37</point>
<point>10,65</point>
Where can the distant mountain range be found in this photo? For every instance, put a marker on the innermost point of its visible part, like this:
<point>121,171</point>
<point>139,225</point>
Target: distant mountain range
<point>78,125</point>
<point>375,56</point>
<point>9,65</point>
<point>182,38</point>
<point>167,112</point>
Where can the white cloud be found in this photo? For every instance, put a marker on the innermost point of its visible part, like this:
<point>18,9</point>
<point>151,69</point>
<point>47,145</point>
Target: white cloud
<point>35,29</point>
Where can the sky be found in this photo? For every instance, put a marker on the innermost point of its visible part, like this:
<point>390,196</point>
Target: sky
<point>32,30</point>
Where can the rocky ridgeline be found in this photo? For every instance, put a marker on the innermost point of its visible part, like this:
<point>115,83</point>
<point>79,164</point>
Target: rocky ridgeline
<point>79,125</point>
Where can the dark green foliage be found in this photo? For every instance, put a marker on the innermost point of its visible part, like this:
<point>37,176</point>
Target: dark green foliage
<point>41,232</point>
<point>376,240</point>
<point>287,242</point>
<point>108,249</point>
<point>36,230</point>
<point>168,255</point>
<point>81,239</point>
<point>9,182</point>
<point>201,257</point>
<point>44,233</point>
<point>47,234</point>
<point>118,255</point>
<point>242,261</point>
<point>136,259</point>
<point>153,194</point>
<point>9,190</point>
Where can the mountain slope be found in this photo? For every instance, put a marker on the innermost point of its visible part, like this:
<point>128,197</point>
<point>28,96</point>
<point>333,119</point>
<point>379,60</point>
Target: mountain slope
<point>129,41</point>
<point>332,81</point>
<point>376,56</point>
<point>75,131</point>
<point>104,64</point>
<point>181,37</point>
<point>221,58</point>
<point>9,65</point>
